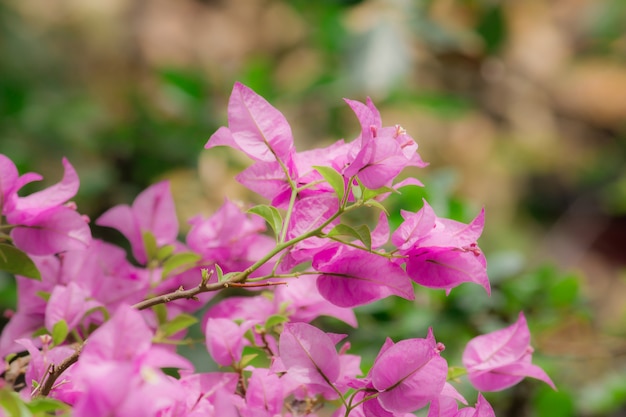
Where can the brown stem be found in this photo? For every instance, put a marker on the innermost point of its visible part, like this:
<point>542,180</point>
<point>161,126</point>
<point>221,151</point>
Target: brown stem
<point>54,372</point>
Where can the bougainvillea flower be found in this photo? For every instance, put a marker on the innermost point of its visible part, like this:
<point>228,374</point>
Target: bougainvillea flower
<point>309,355</point>
<point>119,370</point>
<point>482,409</point>
<point>254,127</point>
<point>303,302</point>
<point>25,209</point>
<point>379,154</point>
<point>152,211</point>
<point>441,253</point>
<point>230,238</point>
<point>56,230</point>
<point>352,277</point>
<point>409,374</point>
<point>501,359</point>
<point>225,340</point>
<point>445,405</point>
<point>69,303</point>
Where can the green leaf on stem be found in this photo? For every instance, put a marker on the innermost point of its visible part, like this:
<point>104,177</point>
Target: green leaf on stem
<point>271,215</point>
<point>178,323</point>
<point>275,320</point>
<point>369,194</point>
<point>44,406</point>
<point>246,359</point>
<point>17,262</point>
<point>374,203</point>
<point>150,244</point>
<point>334,178</point>
<point>219,272</point>
<point>164,252</point>
<point>455,372</point>
<point>59,332</point>
<point>13,404</point>
<point>361,233</point>
<point>180,262</point>
<point>160,311</point>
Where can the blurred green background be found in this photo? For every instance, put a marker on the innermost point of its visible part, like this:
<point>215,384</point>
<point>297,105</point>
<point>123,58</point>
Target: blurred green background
<point>518,105</point>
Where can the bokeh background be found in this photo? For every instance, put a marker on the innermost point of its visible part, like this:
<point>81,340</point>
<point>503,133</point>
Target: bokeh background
<point>518,105</point>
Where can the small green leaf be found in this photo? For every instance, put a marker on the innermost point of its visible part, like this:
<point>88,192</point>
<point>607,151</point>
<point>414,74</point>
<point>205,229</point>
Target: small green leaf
<point>46,406</point>
<point>374,203</point>
<point>275,320</point>
<point>246,359</point>
<point>365,236</point>
<point>334,178</point>
<point>271,215</point>
<point>180,262</point>
<point>59,332</point>
<point>150,244</point>
<point>13,404</point>
<point>43,294</point>
<point>164,252</point>
<point>219,272</point>
<point>455,372</point>
<point>160,311</point>
<point>17,262</point>
<point>361,233</point>
<point>369,194</point>
<point>178,323</point>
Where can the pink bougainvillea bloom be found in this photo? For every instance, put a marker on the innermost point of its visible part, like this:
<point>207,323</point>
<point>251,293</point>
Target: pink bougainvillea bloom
<point>225,340</point>
<point>379,154</point>
<point>69,303</point>
<point>303,302</point>
<point>119,370</point>
<point>309,355</point>
<point>230,238</point>
<point>152,211</point>
<point>28,208</point>
<point>254,127</point>
<point>482,409</point>
<point>501,359</point>
<point>44,222</point>
<point>441,253</point>
<point>446,403</point>
<point>409,374</point>
<point>352,277</point>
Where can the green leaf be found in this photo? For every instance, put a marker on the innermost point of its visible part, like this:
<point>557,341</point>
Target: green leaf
<point>275,320</point>
<point>361,233</point>
<point>17,262</point>
<point>178,323</point>
<point>150,244</point>
<point>164,252</point>
<point>246,359</point>
<point>334,178</point>
<point>43,294</point>
<point>46,406</point>
<point>160,311</point>
<point>455,372</point>
<point>13,404</point>
<point>369,194</point>
<point>374,203</point>
<point>357,191</point>
<point>180,262</point>
<point>271,215</point>
<point>219,272</point>
<point>59,332</point>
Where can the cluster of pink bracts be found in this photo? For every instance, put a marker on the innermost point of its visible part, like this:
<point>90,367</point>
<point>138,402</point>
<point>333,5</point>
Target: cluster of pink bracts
<point>119,320</point>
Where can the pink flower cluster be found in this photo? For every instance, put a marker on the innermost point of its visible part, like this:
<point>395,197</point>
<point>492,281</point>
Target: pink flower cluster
<point>100,329</point>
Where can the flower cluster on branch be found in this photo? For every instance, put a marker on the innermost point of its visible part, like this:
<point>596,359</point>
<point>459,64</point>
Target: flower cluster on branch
<point>101,330</point>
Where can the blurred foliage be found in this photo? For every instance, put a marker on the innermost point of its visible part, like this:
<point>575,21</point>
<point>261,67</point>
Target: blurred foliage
<point>518,106</point>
